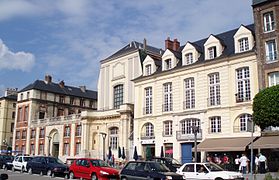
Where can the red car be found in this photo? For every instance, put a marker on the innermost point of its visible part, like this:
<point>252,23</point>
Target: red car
<point>87,168</point>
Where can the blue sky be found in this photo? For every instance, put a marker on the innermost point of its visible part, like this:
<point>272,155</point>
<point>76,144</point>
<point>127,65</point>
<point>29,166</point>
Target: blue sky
<point>68,38</point>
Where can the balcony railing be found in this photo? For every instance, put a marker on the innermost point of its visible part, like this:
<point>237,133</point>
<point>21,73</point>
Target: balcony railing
<point>147,110</point>
<point>167,107</point>
<point>242,98</point>
<point>57,120</point>
<point>146,136</point>
<point>181,135</point>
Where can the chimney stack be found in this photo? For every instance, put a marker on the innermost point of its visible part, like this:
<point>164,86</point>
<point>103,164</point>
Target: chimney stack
<point>10,91</point>
<point>82,88</point>
<point>176,45</point>
<point>144,44</point>
<point>168,44</point>
<point>48,79</point>
<point>62,84</point>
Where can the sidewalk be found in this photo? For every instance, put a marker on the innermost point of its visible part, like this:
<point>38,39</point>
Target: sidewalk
<point>260,176</point>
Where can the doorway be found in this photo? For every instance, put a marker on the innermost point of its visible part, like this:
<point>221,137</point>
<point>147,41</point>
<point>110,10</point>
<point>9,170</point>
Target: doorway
<point>55,145</point>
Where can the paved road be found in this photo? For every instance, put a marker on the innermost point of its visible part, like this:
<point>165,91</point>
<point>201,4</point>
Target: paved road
<point>25,176</point>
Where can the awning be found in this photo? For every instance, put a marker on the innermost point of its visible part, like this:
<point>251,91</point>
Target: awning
<point>224,144</point>
<point>266,142</point>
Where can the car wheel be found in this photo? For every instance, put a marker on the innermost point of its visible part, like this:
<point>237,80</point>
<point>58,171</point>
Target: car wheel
<point>30,171</point>
<point>49,173</point>
<point>22,169</point>
<point>219,178</point>
<point>13,169</point>
<point>123,178</point>
<point>94,177</point>
<point>41,173</point>
<point>72,175</point>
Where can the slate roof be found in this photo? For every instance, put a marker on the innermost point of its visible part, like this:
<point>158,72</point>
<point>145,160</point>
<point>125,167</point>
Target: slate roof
<point>256,2</point>
<point>133,46</point>
<point>66,90</point>
<point>9,97</point>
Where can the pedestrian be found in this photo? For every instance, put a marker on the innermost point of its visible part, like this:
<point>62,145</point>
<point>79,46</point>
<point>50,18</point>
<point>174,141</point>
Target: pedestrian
<point>236,162</point>
<point>243,163</point>
<point>256,164</point>
<point>262,163</point>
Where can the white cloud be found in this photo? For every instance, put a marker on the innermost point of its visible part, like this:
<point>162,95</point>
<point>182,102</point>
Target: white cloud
<point>15,61</point>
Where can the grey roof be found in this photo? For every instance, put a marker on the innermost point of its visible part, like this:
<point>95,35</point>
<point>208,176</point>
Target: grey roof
<point>66,90</point>
<point>133,46</point>
<point>10,97</point>
<point>256,2</point>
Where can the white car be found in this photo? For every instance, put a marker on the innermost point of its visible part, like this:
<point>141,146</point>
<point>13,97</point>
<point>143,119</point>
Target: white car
<point>20,163</point>
<point>207,171</point>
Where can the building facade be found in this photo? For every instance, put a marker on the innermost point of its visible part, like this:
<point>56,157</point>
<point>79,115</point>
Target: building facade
<point>7,118</point>
<point>204,88</point>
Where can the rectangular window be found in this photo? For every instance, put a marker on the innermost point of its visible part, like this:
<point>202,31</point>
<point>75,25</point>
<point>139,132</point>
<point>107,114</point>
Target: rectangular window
<point>113,142</point>
<point>269,23</point>
<point>82,102</point>
<point>243,44</point>
<point>72,100</point>
<point>189,58</point>
<point>21,96</point>
<point>78,130</point>
<point>66,149</point>
<point>212,52</point>
<point>273,79</point>
<point>148,69</point>
<point>271,53</point>
<point>167,106</point>
<point>28,95</point>
<point>42,133</point>
<point>168,128</point>
<point>148,100</point>
<point>215,124</point>
<point>20,114</point>
<point>12,127</point>
<point>24,134</point>
<point>61,99</point>
<point>214,89</point>
<point>23,149</point>
<point>32,149</point>
<point>26,113</point>
<point>67,131</point>
<point>118,96</point>
<point>33,134</point>
<point>17,134</point>
<point>168,64</point>
<point>78,148</point>
<point>43,95</point>
<point>187,126</point>
<point>13,115</point>
<point>243,85</point>
<point>189,93</point>
<point>41,149</point>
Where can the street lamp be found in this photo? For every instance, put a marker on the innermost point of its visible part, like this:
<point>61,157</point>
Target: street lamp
<point>49,139</point>
<point>195,130</point>
<point>104,138</point>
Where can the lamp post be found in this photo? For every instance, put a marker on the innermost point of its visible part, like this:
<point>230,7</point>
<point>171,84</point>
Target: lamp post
<point>104,138</point>
<point>49,139</point>
<point>195,130</point>
<point>251,162</point>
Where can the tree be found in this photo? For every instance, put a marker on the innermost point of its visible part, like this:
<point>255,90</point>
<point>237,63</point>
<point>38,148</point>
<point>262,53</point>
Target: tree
<point>265,107</point>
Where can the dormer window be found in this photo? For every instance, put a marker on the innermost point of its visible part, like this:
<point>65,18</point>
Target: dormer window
<point>168,64</point>
<point>243,44</point>
<point>212,52</point>
<point>148,69</point>
<point>189,58</point>
<point>269,23</point>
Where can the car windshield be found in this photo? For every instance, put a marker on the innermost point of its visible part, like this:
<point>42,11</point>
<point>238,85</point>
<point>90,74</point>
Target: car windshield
<point>9,157</point>
<point>159,167</point>
<point>97,162</point>
<point>213,167</point>
<point>172,161</point>
<point>54,160</point>
<point>27,158</point>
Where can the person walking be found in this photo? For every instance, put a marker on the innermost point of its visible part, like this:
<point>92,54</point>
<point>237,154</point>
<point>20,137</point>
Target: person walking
<point>243,163</point>
<point>262,163</point>
<point>236,162</point>
<point>256,164</point>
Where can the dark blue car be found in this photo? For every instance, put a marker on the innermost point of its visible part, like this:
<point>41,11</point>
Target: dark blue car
<point>50,166</point>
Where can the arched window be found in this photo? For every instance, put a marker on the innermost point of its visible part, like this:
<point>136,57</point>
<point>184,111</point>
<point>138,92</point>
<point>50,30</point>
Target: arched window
<point>118,96</point>
<point>187,126</point>
<point>148,131</point>
<point>113,138</point>
<point>245,122</point>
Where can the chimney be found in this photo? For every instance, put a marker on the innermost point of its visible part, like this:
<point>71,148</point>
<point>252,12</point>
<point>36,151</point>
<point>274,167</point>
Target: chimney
<point>48,79</point>
<point>144,44</point>
<point>176,45</point>
<point>168,44</point>
<point>10,91</point>
<point>82,88</point>
<point>62,84</point>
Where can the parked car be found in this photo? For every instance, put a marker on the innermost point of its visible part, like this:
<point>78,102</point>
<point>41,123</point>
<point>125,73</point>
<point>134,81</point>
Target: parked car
<point>147,170</point>
<point>87,168</point>
<point>50,166</point>
<point>171,163</point>
<point>6,161</point>
<point>4,176</point>
<point>20,162</point>
<point>207,171</point>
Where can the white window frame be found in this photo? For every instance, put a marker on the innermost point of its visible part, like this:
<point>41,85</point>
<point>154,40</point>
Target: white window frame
<point>78,148</point>
<point>273,79</point>
<point>243,44</point>
<point>67,132</point>
<point>118,95</point>
<point>244,121</point>
<point>189,58</point>
<point>215,124</point>
<point>243,84</point>
<point>168,64</point>
<point>66,149</point>
<point>271,50</point>
<point>188,124</point>
<point>167,106</point>
<point>41,149</point>
<point>167,128</point>
<point>113,138</point>
<point>189,93</point>
<point>214,89</point>
<point>212,52</point>
<point>269,22</point>
<point>148,100</point>
<point>149,130</point>
<point>148,69</point>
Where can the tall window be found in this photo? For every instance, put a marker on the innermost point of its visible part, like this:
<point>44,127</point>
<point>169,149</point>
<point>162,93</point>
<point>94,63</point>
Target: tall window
<point>168,64</point>
<point>243,44</point>
<point>78,148</point>
<point>269,23</point>
<point>17,134</point>
<point>72,100</point>
<point>33,134</point>
<point>67,131</point>
<point>43,95</point>
<point>23,149</point>
<point>149,130</point>
<point>148,69</point>
<point>148,100</point>
<point>12,127</point>
<point>188,124</point>
<point>24,134</point>
<point>243,84</point>
<point>168,128</point>
<point>214,89</point>
<point>215,124</point>
<point>273,78</point>
<point>61,99</point>
<point>113,138</point>
<point>41,149</point>
<point>78,130</point>
<point>32,149</point>
<point>118,96</point>
<point>270,48</point>
<point>189,58</point>
<point>212,52</point>
<point>189,93</point>
<point>26,113</point>
<point>82,102</point>
<point>245,122</point>
<point>167,106</point>
<point>66,149</point>
<point>42,133</point>
<point>28,95</point>
<point>20,114</point>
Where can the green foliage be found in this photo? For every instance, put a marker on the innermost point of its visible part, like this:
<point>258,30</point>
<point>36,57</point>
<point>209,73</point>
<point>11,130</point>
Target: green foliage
<point>266,107</point>
<point>269,177</point>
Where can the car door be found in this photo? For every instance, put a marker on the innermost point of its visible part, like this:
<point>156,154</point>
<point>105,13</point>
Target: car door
<point>189,171</point>
<point>141,171</point>
<point>201,172</point>
<point>17,162</point>
<point>84,169</point>
<point>75,167</point>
